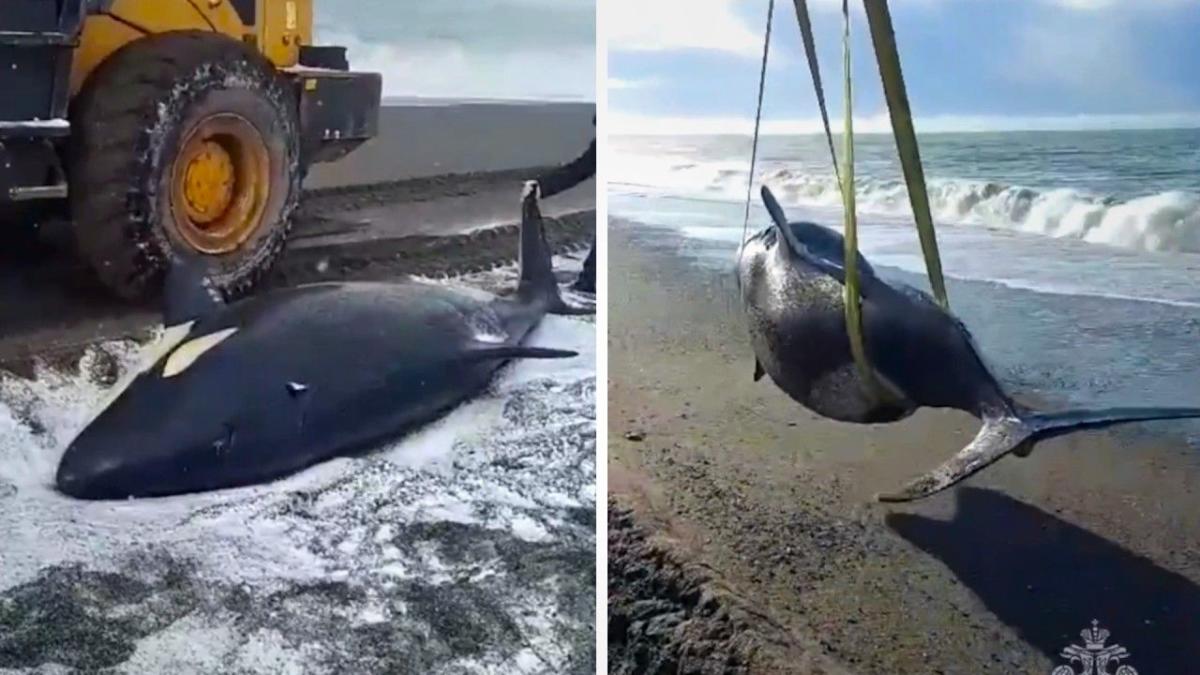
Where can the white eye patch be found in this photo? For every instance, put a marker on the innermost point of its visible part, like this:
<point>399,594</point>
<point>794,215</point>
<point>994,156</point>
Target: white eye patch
<point>151,354</point>
<point>187,353</point>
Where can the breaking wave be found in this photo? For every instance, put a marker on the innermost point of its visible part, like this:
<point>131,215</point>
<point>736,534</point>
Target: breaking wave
<point>1167,221</point>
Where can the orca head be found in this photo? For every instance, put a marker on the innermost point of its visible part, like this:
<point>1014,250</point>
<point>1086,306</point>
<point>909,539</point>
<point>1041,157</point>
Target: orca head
<point>119,454</point>
<point>184,426</point>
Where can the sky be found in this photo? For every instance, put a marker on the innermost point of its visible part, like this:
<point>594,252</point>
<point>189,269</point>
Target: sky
<point>474,49</point>
<point>693,65</point>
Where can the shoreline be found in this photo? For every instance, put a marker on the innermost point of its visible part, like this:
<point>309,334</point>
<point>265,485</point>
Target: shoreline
<point>778,502</point>
<point>1051,347</point>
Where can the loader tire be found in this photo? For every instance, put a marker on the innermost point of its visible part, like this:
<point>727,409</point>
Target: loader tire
<point>184,142</point>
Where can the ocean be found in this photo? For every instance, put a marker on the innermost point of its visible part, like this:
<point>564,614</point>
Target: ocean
<point>1073,257</point>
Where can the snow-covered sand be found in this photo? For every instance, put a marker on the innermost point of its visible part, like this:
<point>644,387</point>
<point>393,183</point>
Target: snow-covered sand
<point>466,547</point>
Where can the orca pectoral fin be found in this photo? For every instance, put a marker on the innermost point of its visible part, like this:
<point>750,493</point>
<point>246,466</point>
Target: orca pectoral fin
<point>758,371</point>
<point>997,438</point>
<point>774,208</point>
<point>832,269</point>
<point>824,265</point>
<point>485,352</point>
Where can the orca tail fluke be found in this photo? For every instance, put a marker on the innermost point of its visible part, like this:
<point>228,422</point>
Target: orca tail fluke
<point>1001,436</point>
<point>537,271</point>
<point>997,438</point>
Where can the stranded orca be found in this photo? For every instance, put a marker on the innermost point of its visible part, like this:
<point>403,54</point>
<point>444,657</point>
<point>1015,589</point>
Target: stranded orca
<point>256,390</point>
<point>792,278</point>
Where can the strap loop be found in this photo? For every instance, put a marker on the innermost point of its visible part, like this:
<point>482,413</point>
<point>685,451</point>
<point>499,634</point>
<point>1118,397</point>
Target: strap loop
<point>852,299</point>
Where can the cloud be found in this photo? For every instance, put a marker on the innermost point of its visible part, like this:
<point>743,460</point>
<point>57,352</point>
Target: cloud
<point>728,26</point>
<point>1092,5</point>
<point>495,49</point>
<point>1094,58</point>
<point>493,26</point>
<point>619,84</point>
<point>1084,4</point>
<point>631,124</point>
<point>665,25</point>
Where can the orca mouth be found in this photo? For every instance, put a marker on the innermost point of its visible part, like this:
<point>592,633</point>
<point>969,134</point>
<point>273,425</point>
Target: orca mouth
<point>766,238</point>
<point>71,484</point>
<point>81,475</point>
<point>83,485</point>
<point>764,233</point>
<point>89,488</point>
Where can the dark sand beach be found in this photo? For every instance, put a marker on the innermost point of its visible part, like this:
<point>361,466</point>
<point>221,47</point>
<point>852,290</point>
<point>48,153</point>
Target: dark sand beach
<point>746,537</point>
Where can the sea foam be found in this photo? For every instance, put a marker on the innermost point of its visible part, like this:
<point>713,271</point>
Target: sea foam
<point>1165,221</point>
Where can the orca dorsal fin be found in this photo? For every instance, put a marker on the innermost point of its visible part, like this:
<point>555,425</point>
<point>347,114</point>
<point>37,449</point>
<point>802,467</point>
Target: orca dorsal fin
<point>189,293</point>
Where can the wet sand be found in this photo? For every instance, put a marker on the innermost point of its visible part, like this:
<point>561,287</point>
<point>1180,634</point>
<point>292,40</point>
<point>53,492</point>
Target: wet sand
<point>773,502</point>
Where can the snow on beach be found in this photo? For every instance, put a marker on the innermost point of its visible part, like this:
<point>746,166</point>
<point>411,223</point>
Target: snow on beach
<point>466,547</point>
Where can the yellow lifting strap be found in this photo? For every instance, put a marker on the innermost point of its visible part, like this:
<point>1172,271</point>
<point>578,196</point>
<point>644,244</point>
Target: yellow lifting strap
<point>852,297</point>
<point>887,55</point>
<point>883,36</point>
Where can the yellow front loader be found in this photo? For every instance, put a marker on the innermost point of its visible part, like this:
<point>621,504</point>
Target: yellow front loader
<point>162,127</point>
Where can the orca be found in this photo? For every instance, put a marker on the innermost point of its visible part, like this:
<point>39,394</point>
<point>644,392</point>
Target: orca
<point>252,391</point>
<point>792,281</point>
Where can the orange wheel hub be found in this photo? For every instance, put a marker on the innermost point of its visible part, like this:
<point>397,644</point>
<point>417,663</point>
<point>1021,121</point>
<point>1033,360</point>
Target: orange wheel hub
<point>220,184</point>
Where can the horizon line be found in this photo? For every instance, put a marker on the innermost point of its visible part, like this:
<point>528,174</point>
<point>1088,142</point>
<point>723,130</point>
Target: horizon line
<point>622,124</point>
<point>478,100</point>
